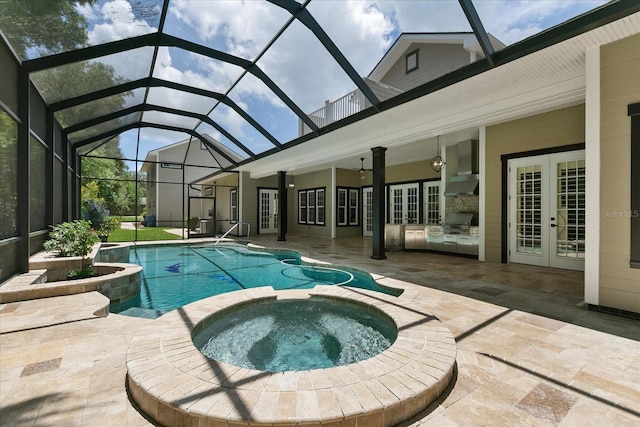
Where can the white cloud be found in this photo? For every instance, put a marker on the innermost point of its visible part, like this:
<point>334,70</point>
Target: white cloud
<point>118,22</point>
<point>362,29</point>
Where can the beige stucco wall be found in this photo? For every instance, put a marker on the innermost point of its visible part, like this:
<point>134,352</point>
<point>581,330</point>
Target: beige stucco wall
<point>221,190</point>
<point>319,179</point>
<point>619,87</point>
<point>350,178</point>
<point>408,172</point>
<point>553,129</point>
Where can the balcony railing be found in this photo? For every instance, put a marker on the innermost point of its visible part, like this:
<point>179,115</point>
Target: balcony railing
<point>346,106</point>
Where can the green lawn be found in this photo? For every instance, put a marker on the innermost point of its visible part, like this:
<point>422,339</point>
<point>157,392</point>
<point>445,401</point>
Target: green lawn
<point>151,233</point>
<point>129,218</point>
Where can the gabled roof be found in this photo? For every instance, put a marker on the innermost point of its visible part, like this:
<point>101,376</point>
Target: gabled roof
<point>468,41</point>
<point>215,148</point>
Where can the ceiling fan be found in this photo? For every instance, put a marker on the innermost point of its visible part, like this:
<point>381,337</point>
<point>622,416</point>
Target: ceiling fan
<point>362,169</point>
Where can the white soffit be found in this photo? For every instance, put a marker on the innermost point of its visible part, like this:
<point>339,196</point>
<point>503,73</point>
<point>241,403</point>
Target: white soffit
<point>543,81</point>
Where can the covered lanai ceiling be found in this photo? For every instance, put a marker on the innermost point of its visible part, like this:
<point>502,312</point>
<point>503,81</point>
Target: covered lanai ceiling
<point>143,74</point>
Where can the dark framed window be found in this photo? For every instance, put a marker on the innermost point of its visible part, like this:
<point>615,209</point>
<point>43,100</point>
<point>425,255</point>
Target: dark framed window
<point>411,61</point>
<point>302,207</point>
<point>233,197</point>
<point>347,206</point>
<point>634,113</point>
<point>167,165</point>
<point>354,206</point>
<point>311,206</point>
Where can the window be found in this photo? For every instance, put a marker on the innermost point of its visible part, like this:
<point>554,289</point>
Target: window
<point>634,112</point>
<point>341,206</point>
<point>347,205</point>
<point>320,207</point>
<point>233,196</point>
<point>302,207</point>
<point>311,206</point>
<point>353,207</point>
<point>171,165</point>
<point>208,191</point>
<point>432,202</point>
<point>411,60</point>
<point>8,178</point>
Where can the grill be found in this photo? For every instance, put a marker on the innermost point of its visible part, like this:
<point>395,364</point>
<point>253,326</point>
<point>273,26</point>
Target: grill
<point>457,223</point>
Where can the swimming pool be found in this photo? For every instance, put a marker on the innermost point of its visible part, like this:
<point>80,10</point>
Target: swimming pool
<point>176,275</point>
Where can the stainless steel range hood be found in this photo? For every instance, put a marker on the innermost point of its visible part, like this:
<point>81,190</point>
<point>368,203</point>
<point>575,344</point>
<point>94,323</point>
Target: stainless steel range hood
<point>462,185</point>
<point>466,182</point>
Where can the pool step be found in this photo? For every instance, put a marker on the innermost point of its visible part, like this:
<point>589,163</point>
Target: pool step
<point>37,313</point>
<point>147,313</point>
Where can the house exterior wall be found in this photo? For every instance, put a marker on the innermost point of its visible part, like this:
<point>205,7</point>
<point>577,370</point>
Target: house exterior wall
<point>434,60</point>
<point>552,129</point>
<point>619,87</point>
<point>318,179</point>
<point>222,193</point>
<point>349,178</point>
<point>408,172</point>
<point>169,198</point>
<point>172,197</point>
<point>249,197</point>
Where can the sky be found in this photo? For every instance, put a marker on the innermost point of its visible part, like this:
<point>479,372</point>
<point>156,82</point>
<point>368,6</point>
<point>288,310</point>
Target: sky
<point>363,30</point>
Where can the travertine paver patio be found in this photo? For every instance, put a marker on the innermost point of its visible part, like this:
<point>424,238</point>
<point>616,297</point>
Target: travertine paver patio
<point>526,355</point>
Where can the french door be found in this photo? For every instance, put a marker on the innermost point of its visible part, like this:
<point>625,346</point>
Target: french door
<point>268,211</point>
<point>367,211</point>
<point>404,204</point>
<point>547,210</point>
<point>431,199</point>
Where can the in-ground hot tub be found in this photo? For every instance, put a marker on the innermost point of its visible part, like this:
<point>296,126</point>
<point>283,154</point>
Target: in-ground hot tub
<point>175,384</point>
<point>295,334</point>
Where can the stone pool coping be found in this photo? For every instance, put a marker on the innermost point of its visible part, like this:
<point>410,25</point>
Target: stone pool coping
<point>175,384</point>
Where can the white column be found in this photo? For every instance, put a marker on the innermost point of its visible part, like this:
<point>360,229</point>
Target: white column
<point>592,156</point>
<point>481,193</point>
<point>333,202</point>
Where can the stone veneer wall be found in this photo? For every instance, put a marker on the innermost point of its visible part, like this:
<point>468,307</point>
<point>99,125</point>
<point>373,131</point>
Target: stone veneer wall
<point>113,252</point>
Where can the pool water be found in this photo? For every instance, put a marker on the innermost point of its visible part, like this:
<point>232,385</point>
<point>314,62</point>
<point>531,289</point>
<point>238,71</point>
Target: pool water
<point>173,276</point>
<point>295,335</point>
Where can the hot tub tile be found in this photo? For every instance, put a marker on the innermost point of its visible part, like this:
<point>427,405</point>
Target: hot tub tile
<point>228,399</point>
<point>396,387</point>
<point>361,373</point>
<point>319,379</point>
<point>382,393</point>
<point>373,369</point>
<point>335,377</point>
<point>288,381</point>
<point>285,410</point>
<point>244,406</point>
<point>307,406</point>
<point>368,401</point>
<point>303,381</point>
<point>263,411</point>
<point>260,380</point>
<point>273,382</point>
<point>204,400</point>
<point>329,405</point>
<point>348,401</point>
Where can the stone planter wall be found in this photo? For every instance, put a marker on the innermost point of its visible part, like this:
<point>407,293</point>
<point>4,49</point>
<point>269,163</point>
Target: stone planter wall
<point>113,252</point>
<point>118,282</point>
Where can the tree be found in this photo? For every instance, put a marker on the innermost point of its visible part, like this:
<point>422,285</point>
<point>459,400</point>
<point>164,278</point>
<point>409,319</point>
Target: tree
<point>45,26</point>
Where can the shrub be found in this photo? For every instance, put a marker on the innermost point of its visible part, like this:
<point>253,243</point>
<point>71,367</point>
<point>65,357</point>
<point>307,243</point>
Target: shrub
<point>109,224</point>
<point>73,239</point>
<point>194,221</point>
<point>95,212</point>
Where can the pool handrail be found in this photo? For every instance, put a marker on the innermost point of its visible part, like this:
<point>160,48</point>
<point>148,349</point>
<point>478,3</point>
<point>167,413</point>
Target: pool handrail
<point>237,223</point>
